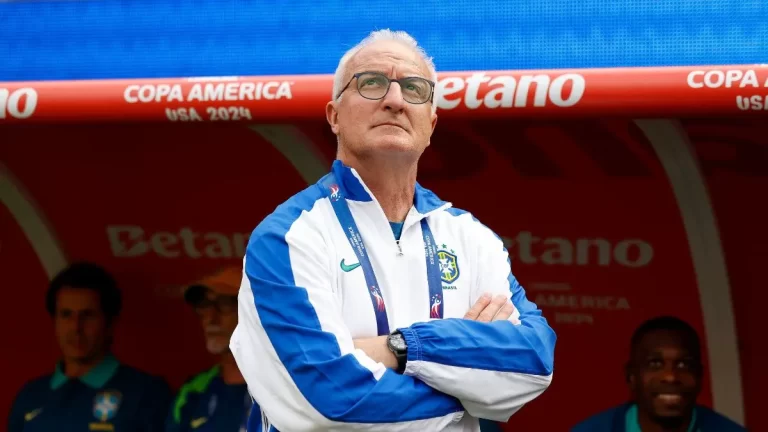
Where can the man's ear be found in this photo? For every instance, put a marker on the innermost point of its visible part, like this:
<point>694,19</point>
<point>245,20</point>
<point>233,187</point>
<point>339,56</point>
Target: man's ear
<point>629,376</point>
<point>332,115</point>
<point>434,123</point>
<point>110,330</point>
<point>112,323</point>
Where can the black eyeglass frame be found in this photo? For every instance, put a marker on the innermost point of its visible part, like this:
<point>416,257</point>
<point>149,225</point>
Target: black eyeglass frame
<point>389,85</point>
<point>222,304</point>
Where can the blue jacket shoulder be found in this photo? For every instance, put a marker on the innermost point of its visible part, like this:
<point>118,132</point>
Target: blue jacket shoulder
<point>612,420</point>
<point>138,378</point>
<point>716,422</point>
<point>32,388</point>
<point>602,421</point>
<point>281,219</point>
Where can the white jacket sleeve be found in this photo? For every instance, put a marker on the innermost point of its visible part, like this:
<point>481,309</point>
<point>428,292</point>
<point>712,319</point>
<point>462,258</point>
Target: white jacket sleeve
<point>492,368</point>
<point>298,357</point>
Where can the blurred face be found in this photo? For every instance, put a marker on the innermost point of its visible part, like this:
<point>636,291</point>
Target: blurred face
<point>388,126</point>
<point>218,315</point>
<point>80,325</point>
<point>665,376</point>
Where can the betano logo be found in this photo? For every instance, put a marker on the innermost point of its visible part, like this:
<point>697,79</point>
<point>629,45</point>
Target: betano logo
<point>128,241</point>
<point>530,249</point>
<point>505,91</point>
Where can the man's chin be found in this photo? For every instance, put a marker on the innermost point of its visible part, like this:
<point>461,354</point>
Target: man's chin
<point>79,355</point>
<point>392,148</point>
<point>671,413</point>
<point>217,347</point>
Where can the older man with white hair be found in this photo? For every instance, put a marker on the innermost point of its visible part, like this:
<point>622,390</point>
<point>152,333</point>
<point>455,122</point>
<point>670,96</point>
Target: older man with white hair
<point>367,302</point>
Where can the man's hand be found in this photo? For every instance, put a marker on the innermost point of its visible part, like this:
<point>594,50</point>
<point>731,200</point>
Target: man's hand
<point>488,309</point>
<point>377,349</point>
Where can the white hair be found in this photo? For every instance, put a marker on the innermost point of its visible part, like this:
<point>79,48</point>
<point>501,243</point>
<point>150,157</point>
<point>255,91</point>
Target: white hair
<point>382,35</point>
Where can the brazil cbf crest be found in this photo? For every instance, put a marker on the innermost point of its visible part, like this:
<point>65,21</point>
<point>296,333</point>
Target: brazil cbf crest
<point>106,404</point>
<point>449,265</point>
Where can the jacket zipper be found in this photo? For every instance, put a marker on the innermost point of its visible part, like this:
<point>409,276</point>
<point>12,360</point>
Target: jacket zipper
<point>399,248</point>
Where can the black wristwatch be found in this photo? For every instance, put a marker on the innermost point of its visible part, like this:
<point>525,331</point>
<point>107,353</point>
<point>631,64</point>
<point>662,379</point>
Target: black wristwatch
<point>396,344</point>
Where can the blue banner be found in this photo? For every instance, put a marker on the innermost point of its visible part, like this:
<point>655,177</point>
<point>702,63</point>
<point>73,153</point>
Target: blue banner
<point>49,40</point>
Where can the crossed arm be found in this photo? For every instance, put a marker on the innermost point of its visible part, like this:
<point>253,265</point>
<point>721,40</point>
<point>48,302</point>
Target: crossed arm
<point>487,308</point>
<point>306,372</point>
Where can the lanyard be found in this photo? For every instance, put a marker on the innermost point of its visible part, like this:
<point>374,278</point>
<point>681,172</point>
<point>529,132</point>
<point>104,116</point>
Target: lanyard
<point>344,215</point>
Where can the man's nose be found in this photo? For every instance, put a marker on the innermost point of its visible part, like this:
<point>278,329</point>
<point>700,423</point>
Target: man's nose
<point>80,323</point>
<point>209,316</point>
<point>670,375</point>
<point>394,99</point>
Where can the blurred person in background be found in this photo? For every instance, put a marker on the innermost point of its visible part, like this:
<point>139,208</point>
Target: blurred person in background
<point>664,375</point>
<point>371,304</point>
<point>216,400</point>
<point>89,388</point>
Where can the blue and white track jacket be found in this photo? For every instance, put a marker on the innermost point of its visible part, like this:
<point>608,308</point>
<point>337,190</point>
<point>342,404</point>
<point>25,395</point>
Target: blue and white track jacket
<point>300,309</point>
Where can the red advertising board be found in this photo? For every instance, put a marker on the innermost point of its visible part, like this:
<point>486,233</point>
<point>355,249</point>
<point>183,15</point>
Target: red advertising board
<point>672,91</point>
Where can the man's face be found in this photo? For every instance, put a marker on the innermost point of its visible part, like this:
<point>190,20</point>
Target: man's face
<point>390,125</point>
<point>218,315</point>
<point>80,325</point>
<point>665,375</point>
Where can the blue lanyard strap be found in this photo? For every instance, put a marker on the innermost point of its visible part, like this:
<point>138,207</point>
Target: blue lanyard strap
<point>433,272</point>
<point>344,216</point>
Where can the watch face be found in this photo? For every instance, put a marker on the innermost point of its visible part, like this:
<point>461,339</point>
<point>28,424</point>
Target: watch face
<point>397,342</point>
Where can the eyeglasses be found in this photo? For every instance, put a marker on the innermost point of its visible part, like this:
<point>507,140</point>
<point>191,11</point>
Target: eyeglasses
<point>222,304</point>
<point>374,86</point>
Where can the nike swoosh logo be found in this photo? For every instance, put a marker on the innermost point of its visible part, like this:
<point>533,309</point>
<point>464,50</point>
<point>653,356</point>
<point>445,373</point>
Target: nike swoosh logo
<point>348,268</point>
<point>196,423</point>
<point>32,414</point>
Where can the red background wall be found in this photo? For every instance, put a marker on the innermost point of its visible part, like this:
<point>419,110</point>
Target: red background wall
<point>565,183</point>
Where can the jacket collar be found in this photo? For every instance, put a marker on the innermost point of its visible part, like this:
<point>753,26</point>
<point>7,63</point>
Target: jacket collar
<point>625,419</point>
<point>353,188</point>
<point>96,378</point>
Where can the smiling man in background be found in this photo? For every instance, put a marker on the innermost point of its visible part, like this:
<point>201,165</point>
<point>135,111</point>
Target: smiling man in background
<point>664,374</point>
